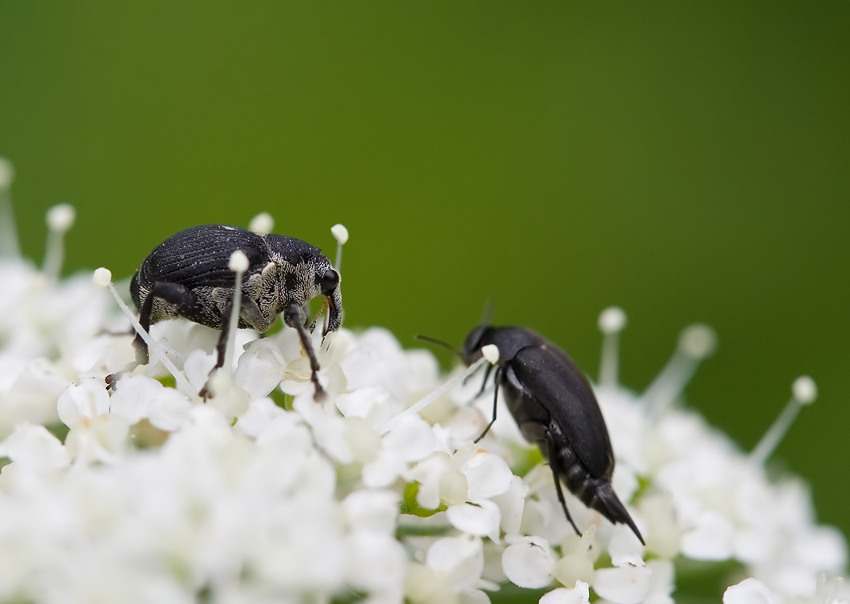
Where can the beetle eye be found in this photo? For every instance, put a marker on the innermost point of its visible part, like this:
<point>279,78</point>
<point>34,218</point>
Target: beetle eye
<point>329,281</point>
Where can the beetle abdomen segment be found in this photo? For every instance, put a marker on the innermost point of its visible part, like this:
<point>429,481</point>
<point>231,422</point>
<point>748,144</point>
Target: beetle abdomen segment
<point>595,492</point>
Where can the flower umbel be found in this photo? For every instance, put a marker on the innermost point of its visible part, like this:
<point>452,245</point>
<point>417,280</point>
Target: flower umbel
<point>148,494</point>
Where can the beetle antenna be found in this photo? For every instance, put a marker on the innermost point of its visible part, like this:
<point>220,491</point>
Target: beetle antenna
<point>487,315</point>
<point>440,343</point>
<point>340,233</point>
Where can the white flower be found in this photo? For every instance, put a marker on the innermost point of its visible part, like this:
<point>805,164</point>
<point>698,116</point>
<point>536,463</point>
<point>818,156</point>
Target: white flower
<point>261,494</point>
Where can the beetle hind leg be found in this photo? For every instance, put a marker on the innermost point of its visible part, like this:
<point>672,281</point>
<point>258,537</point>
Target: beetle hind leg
<point>552,454</point>
<point>172,293</point>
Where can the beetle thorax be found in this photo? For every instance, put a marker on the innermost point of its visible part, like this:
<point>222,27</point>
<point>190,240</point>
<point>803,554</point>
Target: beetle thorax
<point>282,283</point>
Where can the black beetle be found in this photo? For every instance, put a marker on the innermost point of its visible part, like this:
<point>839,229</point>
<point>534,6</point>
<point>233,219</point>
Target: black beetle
<point>554,406</point>
<point>187,275</point>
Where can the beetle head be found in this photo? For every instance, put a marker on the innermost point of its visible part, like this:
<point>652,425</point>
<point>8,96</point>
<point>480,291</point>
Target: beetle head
<point>477,338</point>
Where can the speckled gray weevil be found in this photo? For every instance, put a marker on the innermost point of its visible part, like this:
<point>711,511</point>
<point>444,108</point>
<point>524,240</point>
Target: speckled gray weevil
<point>187,275</point>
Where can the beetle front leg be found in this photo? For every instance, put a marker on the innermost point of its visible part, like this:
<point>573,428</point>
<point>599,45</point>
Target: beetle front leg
<point>495,399</point>
<point>294,316</point>
<point>221,350</point>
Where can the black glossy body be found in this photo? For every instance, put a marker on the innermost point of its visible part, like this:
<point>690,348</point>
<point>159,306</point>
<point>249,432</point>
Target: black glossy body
<point>555,408</point>
<point>187,275</point>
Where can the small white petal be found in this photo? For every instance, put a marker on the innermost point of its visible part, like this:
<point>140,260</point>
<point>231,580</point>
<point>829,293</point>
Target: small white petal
<point>529,563</point>
<point>580,594</point>
<point>624,548</point>
<point>479,517</point>
<point>260,414</point>
<point>261,368</point>
<point>424,585</point>
<point>488,475</point>
<point>377,563</point>
<point>197,367</point>
<point>710,539</point>
<point>662,534</point>
<point>371,511</point>
<point>576,567</point>
<point>624,585</point>
<point>34,448</point>
<point>511,504</point>
<point>822,549</point>
<point>749,591</point>
<point>662,581</point>
<point>429,473</point>
<point>458,560</point>
<point>411,438</point>
<point>85,400</point>
<point>140,397</point>
<point>327,426</point>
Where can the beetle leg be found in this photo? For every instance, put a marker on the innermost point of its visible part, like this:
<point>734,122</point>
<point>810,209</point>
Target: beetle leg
<point>294,316</point>
<point>484,381</point>
<point>221,346</point>
<point>552,448</point>
<point>173,293</point>
<point>495,398</point>
<point>252,315</point>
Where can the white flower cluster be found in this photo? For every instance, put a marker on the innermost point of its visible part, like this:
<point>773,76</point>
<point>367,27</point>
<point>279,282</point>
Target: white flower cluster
<point>261,494</point>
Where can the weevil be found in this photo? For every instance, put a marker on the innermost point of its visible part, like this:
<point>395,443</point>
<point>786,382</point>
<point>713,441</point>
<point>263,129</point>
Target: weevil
<point>554,406</point>
<point>187,275</point>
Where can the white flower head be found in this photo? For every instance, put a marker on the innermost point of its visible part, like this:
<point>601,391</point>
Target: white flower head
<point>262,494</point>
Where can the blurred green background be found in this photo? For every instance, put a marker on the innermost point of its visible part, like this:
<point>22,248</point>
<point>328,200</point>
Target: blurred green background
<point>686,161</point>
